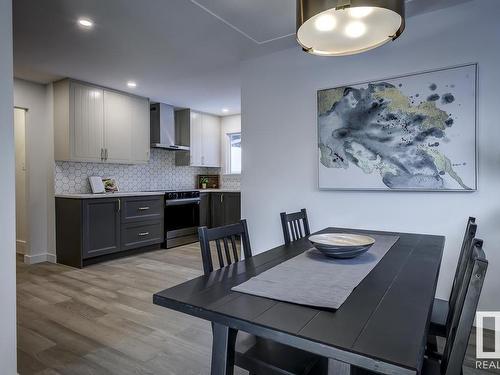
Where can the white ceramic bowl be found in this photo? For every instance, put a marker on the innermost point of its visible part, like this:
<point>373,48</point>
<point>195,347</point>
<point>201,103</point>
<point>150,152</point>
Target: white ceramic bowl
<point>342,245</point>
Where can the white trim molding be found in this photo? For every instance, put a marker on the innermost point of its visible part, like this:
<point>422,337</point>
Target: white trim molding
<point>21,247</point>
<point>40,258</point>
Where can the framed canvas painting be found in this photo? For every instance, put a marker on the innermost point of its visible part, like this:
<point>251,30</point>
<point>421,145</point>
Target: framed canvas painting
<point>415,132</point>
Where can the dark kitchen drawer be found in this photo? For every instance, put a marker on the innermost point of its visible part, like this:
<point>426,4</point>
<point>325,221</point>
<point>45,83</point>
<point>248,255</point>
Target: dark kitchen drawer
<point>135,235</point>
<point>142,208</point>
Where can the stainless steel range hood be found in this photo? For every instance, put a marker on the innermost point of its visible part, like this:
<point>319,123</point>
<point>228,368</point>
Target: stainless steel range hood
<point>164,129</point>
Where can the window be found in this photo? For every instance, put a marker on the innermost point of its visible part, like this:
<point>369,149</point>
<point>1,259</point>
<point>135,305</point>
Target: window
<point>234,159</point>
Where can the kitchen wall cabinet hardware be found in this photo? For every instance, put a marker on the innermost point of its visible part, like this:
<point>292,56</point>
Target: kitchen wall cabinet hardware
<point>94,124</point>
<point>95,229</point>
<point>202,133</point>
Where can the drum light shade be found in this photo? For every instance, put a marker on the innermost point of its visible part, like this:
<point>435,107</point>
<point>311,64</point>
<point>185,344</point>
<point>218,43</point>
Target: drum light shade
<point>347,27</point>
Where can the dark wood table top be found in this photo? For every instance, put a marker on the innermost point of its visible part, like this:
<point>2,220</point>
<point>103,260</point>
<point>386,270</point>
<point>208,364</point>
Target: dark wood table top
<point>384,320</point>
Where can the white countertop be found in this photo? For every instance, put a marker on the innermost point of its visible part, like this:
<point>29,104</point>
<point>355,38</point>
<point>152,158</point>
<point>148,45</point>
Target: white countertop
<point>110,195</point>
<point>138,193</point>
<point>219,190</point>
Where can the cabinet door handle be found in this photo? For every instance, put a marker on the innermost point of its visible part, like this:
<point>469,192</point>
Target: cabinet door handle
<point>143,234</point>
<point>106,153</point>
<point>102,154</point>
<point>143,208</point>
<point>222,198</point>
<point>119,205</point>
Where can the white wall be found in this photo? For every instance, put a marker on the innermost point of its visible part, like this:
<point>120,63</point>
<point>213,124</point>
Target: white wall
<point>281,157</point>
<point>37,99</point>
<point>7,203</point>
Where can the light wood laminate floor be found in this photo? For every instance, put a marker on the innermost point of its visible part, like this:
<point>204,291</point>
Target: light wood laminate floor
<point>101,320</point>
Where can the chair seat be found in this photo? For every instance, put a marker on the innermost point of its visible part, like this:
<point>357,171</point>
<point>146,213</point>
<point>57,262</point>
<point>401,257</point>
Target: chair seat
<point>262,356</point>
<point>438,318</point>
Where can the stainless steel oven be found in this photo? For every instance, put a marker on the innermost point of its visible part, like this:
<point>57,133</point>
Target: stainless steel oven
<point>182,217</point>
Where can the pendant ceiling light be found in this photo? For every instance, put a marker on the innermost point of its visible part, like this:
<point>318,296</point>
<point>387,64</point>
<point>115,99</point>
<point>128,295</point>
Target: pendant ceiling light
<point>346,27</point>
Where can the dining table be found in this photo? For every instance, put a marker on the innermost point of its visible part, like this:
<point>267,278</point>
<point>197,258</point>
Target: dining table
<point>382,326</point>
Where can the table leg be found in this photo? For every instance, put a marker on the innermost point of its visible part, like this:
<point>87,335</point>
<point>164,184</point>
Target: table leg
<point>224,339</point>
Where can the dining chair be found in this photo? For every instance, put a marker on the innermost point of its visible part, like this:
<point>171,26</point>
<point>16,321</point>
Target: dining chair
<point>461,321</point>
<point>225,238</point>
<point>295,225</point>
<point>440,318</point>
<point>254,354</point>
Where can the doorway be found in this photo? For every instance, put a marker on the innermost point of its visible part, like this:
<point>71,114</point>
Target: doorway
<point>21,179</point>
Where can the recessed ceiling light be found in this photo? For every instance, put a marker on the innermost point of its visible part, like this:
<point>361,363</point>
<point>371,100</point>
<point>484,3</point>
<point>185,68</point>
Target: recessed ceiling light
<point>225,110</point>
<point>355,29</point>
<point>85,23</point>
<point>131,84</point>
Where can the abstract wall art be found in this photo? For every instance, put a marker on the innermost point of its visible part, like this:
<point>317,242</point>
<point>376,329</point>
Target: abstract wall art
<point>414,132</point>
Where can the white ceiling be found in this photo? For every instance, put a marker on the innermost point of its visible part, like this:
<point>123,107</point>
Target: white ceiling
<point>182,52</point>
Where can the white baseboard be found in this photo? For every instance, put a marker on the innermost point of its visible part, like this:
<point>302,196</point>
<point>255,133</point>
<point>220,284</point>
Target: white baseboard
<point>39,258</point>
<point>21,247</point>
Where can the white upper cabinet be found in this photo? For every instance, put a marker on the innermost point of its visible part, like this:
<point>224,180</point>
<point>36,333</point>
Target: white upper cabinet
<point>141,143</point>
<point>117,129</point>
<point>204,140</point>
<point>210,138</point>
<point>92,124</point>
<point>86,136</point>
<point>196,145</point>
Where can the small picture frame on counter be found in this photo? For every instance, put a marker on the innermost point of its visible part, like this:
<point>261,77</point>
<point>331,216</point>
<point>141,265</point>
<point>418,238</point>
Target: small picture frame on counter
<point>96,185</point>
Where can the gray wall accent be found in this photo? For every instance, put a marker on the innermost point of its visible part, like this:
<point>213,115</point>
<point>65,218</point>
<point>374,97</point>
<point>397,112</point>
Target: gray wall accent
<point>159,173</point>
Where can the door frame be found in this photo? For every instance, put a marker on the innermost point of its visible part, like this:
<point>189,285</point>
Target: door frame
<point>26,182</point>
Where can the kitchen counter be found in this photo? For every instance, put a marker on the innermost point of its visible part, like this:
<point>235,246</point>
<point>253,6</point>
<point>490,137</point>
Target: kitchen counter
<point>110,195</point>
<point>219,190</point>
<point>138,193</point>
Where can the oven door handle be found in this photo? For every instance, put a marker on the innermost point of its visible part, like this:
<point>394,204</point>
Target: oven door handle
<point>180,202</point>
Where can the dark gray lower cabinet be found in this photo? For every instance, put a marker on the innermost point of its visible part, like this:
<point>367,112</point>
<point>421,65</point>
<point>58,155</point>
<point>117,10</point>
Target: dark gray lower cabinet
<point>89,230</point>
<point>101,227</point>
<point>225,208</point>
<point>232,207</point>
<point>135,235</point>
<point>217,210</point>
<point>205,218</point>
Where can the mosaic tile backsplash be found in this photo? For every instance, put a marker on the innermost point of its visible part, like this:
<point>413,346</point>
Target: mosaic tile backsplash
<point>230,181</point>
<point>159,173</point>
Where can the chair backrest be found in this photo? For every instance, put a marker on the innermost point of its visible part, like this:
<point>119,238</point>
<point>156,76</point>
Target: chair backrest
<point>464,311</point>
<point>227,235</point>
<point>463,259</point>
<point>295,225</point>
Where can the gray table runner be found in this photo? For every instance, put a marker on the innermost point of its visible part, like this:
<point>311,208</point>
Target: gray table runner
<point>315,280</point>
